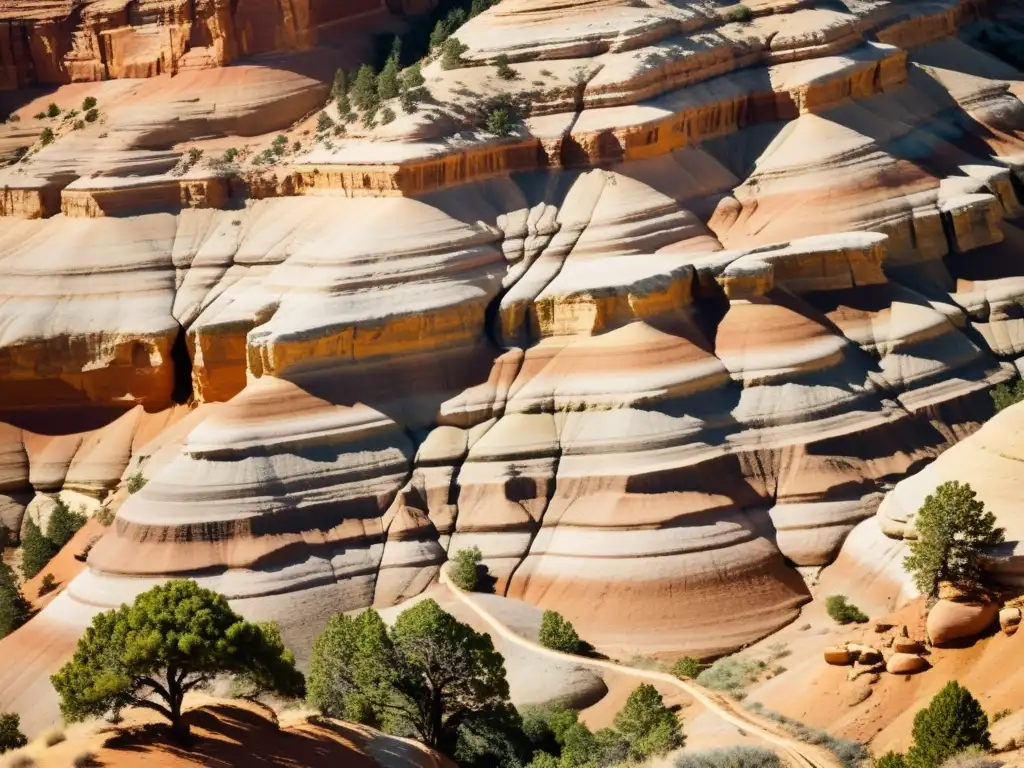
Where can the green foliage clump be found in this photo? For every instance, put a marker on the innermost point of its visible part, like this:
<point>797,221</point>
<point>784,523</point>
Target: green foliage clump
<point>387,81</point>
<point>413,77</point>
<point>340,85</point>
<point>953,722</point>
<point>505,72</point>
<point>78,125</point>
<point>409,100</point>
<point>36,550</point>
<point>63,524</point>
<point>279,145</point>
<point>46,137</point>
<point>451,53</point>
<point>446,27</point>
<point>11,736</point>
<point>48,584</point>
<point>953,528</point>
<point>387,115</point>
<point>558,634</point>
<point>891,760</point>
<point>648,726</point>
<point>174,638</point>
<point>88,103</point>
<point>229,157</point>
<point>324,123</point>
<point>14,608</point>
<point>499,123</point>
<point>429,675</point>
<point>53,110</point>
<point>1003,395</point>
<point>842,611</point>
<point>740,13</point>
<point>732,674</point>
<point>92,115</point>
<point>364,91</point>
<point>463,572</point>
<point>687,668</point>
<point>729,757</point>
<point>39,116</point>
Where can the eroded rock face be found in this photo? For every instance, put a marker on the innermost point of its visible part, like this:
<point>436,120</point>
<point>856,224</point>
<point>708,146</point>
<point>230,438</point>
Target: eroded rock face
<point>646,391</point>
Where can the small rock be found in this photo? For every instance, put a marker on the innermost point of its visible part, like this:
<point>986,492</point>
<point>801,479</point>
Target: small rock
<point>906,645</point>
<point>866,655</point>
<point>905,664</point>
<point>887,643</point>
<point>1009,620</point>
<point>882,626</point>
<point>839,656</point>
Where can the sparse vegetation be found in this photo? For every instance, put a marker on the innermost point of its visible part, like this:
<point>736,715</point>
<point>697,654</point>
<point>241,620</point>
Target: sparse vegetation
<point>463,571</point>
<point>499,123</point>
<point>85,760</point>
<point>53,110</point>
<point>229,157</point>
<point>953,528</point>
<point>1001,714</point>
<point>36,550</point>
<point>504,71</point>
<point>174,638</point>
<point>88,103</point>
<point>842,611</point>
<point>195,154</point>
<point>732,675</point>
<point>687,668</point>
<point>11,736</point>
<point>972,758</point>
<point>324,123</point>
<point>78,125</point>
<point>451,53</point>
<point>558,634</point>
<point>14,608</point>
<point>48,584</point>
<point>279,145</point>
<point>46,137</point>
<point>1004,395</point>
<point>850,753</point>
<point>729,757</point>
<point>740,13</point>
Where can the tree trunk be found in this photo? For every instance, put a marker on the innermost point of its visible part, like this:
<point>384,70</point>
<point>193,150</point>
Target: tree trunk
<point>179,728</point>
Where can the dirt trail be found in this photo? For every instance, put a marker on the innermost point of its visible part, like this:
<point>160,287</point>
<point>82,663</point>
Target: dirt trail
<point>796,753</point>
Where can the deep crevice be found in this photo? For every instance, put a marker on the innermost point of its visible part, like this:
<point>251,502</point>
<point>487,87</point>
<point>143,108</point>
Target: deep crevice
<point>182,362</point>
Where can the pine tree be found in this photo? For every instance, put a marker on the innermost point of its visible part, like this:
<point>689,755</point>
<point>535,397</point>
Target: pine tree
<point>339,87</point>
<point>36,550</point>
<point>413,77</point>
<point>951,723</point>
<point>364,91</point>
<point>647,724</point>
<point>387,81</point>
<point>11,736</point>
<point>63,524</point>
<point>14,608</point>
<point>558,634</point>
<point>952,530</point>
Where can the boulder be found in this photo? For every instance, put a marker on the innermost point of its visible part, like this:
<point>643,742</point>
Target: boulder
<point>949,621</point>
<point>882,626</point>
<point>839,656</point>
<point>906,645</point>
<point>1009,620</point>
<point>905,664</point>
<point>866,655</point>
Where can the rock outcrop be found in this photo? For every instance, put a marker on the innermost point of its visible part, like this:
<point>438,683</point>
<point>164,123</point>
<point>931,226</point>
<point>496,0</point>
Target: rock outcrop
<point>950,620</point>
<point>673,338</point>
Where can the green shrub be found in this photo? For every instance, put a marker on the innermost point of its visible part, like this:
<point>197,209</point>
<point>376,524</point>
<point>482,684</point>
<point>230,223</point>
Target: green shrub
<point>364,91</point>
<point>46,137</point>
<point>687,668</point>
<point>413,77</point>
<point>39,116</point>
<point>972,758</point>
<point>891,760</point>
<point>647,725</point>
<point>463,571</point>
<point>14,608</point>
<point>451,53</point>
<point>78,125</point>
<point>1003,395</point>
<point>732,674</point>
<point>88,103</point>
<point>53,110</point>
<point>63,524</point>
<point>953,722</point>
<point>85,760</point>
<point>229,157</point>
<point>740,13</point>
<point>92,115</point>
<point>11,736</point>
<point>843,611</point>
<point>499,123</point>
<point>324,123</point>
<point>48,585</point>
<point>387,115</point>
<point>730,757</point>
<point>387,80</point>
<point>1002,713</point>
<point>36,550</point>
<point>54,737</point>
<point>558,634</point>
<point>505,72</point>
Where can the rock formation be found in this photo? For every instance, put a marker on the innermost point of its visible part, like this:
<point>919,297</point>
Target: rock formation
<point>677,335</point>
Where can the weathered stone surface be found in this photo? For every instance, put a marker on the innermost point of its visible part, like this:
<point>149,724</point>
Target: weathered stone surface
<point>1009,620</point>
<point>949,621</point>
<point>902,663</point>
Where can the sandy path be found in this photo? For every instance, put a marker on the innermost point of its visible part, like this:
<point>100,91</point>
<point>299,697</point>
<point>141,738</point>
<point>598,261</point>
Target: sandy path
<point>796,753</point>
